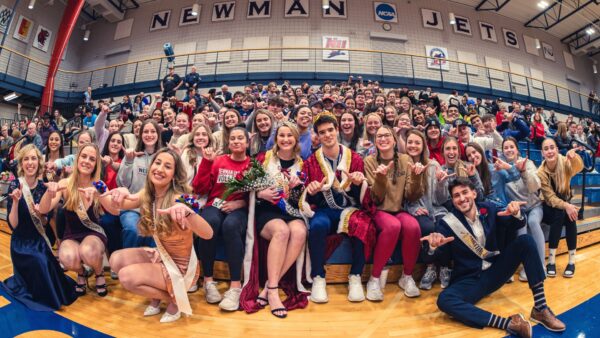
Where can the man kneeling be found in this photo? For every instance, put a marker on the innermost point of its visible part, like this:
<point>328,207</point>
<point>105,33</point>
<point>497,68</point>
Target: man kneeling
<point>479,270</point>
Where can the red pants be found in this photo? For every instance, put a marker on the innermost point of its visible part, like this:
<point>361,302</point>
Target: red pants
<point>390,228</point>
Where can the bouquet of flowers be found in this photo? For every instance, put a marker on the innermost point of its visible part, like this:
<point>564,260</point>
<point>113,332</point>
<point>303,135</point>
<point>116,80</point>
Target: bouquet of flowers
<point>190,201</point>
<point>254,178</point>
<point>7,176</point>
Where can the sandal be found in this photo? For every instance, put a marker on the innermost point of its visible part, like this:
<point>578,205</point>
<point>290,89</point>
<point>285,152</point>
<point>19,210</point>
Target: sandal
<point>274,311</point>
<point>101,286</point>
<point>551,270</point>
<point>80,289</point>
<point>261,301</point>
<point>569,271</point>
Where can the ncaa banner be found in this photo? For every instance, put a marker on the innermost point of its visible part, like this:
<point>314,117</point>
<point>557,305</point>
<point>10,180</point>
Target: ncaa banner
<point>385,12</point>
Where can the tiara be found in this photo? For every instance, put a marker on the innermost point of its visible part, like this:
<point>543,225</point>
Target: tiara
<point>323,113</point>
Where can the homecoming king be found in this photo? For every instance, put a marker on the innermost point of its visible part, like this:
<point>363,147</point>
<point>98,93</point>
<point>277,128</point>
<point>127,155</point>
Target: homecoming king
<point>467,235</point>
<point>335,189</point>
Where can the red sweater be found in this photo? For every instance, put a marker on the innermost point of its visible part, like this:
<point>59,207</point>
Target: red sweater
<point>110,176</point>
<point>212,175</point>
<point>537,130</point>
<point>435,152</point>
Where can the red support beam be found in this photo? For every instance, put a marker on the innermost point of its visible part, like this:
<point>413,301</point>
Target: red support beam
<point>67,24</point>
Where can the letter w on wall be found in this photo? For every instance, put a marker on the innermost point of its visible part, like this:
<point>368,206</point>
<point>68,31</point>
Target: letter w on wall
<point>223,11</point>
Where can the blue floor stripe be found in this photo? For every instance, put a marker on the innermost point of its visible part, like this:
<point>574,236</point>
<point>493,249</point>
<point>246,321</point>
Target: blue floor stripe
<point>16,319</point>
<point>582,321</point>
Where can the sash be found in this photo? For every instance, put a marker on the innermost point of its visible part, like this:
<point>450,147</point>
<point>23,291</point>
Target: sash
<point>467,238</point>
<point>35,217</point>
<point>86,221</point>
<point>180,283</point>
<point>273,168</point>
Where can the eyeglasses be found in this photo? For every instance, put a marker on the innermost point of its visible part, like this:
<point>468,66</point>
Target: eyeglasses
<point>383,136</point>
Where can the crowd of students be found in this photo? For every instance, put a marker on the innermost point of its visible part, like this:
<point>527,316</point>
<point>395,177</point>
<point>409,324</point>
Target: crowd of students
<point>445,178</point>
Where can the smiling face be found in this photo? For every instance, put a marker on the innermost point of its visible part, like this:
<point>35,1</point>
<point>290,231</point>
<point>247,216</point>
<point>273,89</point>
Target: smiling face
<point>285,139</point>
<point>157,116</point>
<point>54,142</point>
<point>414,145</point>
<point>463,198</point>
<point>136,127</point>
<point>201,138</point>
<point>473,155</point>
<point>162,170</point>
<point>372,124</point>
<point>86,161</point>
<point>433,133</point>
<point>327,134</point>
<point>510,151</point>
<point>149,135</point>
<point>384,140</point>
<point>182,122</point>
<point>115,144</point>
<point>263,123</point>
<point>113,126</point>
<point>450,152</point>
<point>30,163</point>
<point>550,151</point>
<point>418,116</point>
<point>230,119</point>
<point>198,120</point>
<point>238,142</point>
<point>303,117</point>
<point>347,124</point>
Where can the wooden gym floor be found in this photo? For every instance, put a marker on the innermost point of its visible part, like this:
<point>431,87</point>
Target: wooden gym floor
<point>120,313</point>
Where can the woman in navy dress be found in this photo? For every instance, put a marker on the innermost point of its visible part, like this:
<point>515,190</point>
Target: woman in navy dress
<point>38,280</point>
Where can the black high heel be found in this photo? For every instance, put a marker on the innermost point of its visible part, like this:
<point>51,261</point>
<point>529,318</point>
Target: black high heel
<point>101,286</point>
<point>261,301</point>
<point>273,311</point>
<point>80,289</point>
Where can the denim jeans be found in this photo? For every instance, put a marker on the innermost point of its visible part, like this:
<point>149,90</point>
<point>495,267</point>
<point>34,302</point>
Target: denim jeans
<point>534,228</point>
<point>131,239</point>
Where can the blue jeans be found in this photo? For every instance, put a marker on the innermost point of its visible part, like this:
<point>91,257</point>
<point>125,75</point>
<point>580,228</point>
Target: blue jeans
<point>459,298</point>
<point>112,227</point>
<point>324,223</point>
<point>534,228</point>
<point>131,239</point>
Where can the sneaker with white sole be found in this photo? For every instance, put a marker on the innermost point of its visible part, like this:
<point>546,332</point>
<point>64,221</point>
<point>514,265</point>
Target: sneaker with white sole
<point>211,293</point>
<point>445,273</point>
<point>407,283</point>
<point>355,289</point>
<point>429,278</point>
<point>231,300</point>
<point>383,277</point>
<point>374,291</point>
<point>318,293</point>
<point>193,288</point>
<point>522,276</point>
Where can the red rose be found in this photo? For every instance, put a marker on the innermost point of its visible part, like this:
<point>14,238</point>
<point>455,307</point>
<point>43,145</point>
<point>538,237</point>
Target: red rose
<point>239,176</point>
<point>483,211</point>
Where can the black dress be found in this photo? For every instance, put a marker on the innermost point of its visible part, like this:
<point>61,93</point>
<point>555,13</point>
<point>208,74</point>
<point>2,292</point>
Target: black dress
<point>38,281</point>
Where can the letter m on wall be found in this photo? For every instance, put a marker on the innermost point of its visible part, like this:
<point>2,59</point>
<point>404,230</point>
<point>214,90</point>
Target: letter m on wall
<point>258,9</point>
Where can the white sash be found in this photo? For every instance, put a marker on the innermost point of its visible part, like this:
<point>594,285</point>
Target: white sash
<point>35,217</point>
<point>181,284</point>
<point>86,221</point>
<point>467,238</point>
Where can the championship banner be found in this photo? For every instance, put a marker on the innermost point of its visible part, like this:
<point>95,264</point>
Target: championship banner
<point>42,37</point>
<point>341,42</point>
<point>437,57</point>
<point>23,29</point>
<point>5,14</point>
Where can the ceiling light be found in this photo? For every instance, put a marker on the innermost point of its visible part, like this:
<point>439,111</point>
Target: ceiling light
<point>31,4</point>
<point>452,19</point>
<point>86,35</point>
<point>195,9</point>
<point>590,31</point>
<point>542,4</point>
<point>11,96</point>
<point>325,4</point>
<point>537,44</point>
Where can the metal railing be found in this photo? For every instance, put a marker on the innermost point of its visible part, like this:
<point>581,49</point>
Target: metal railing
<point>301,64</point>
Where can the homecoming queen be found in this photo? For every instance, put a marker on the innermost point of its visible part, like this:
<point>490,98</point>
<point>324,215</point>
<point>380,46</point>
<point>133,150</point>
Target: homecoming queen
<point>166,272</point>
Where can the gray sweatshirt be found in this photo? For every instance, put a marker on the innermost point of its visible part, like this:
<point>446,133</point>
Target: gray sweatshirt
<point>132,174</point>
<point>527,188</point>
<point>433,198</point>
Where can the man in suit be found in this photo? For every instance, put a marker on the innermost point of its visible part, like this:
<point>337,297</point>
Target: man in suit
<point>468,236</point>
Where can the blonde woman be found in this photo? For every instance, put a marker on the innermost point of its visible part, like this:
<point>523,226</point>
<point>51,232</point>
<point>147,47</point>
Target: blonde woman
<point>231,118</point>
<point>166,272</point>
<point>84,241</point>
<point>191,157</point>
<point>372,123</point>
<point>555,176</point>
<point>38,280</point>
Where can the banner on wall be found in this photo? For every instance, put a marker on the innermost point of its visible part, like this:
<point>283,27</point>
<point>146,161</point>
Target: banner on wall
<point>385,12</point>
<point>548,51</point>
<point>23,29</point>
<point>5,13</point>
<point>42,37</point>
<point>335,42</point>
<point>437,57</point>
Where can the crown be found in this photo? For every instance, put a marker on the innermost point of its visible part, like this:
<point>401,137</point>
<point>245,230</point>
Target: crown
<point>323,113</point>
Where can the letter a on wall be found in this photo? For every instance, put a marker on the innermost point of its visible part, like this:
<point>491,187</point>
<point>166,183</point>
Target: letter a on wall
<point>296,9</point>
<point>432,19</point>
<point>160,20</point>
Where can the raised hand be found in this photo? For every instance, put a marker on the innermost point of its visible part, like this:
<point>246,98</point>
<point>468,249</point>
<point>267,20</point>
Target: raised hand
<point>174,148</point>
<point>356,177</point>
<point>571,154</point>
<point>442,175</point>
<point>178,213</point>
<point>471,169</point>
<point>50,166</point>
<point>106,160</point>
<point>53,188</point>
<point>17,194</point>
<point>118,195</point>
<point>130,154</point>
<point>293,180</point>
<point>383,169</point>
<point>208,153</point>
<point>521,164</point>
<point>316,186</point>
<point>418,168</point>
<point>500,165</point>
<point>436,239</point>
<point>512,209</point>
<point>88,195</point>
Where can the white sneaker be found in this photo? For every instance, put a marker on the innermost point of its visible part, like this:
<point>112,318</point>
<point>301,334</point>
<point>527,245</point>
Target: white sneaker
<point>374,292</point>
<point>193,288</point>
<point>522,276</point>
<point>355,289</point>
<point>151,311</point>
<point>510,280</point>
<point>383,277</point>
<point>211,293</point>
<point>231,300</point>
<point>318,292</point>
<point>407,283</point>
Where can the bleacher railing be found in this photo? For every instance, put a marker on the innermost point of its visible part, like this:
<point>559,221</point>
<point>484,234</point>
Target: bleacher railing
<point>302,64</point>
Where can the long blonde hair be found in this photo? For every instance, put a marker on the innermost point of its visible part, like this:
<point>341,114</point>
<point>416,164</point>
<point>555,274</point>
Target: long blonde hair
<point>148,225</point>
<point>558,174</point>
<point>192,156</point>
<point>21,154</point>
<point>73,198</point>
<point>292,127</point>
